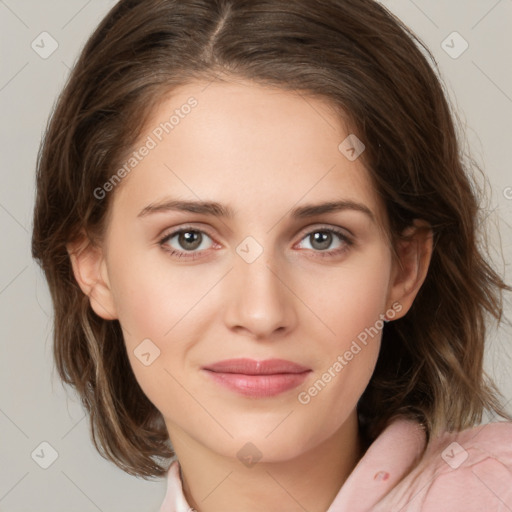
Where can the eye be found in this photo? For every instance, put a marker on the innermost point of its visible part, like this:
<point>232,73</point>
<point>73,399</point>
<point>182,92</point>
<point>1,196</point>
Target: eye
<point>188,242</point>
<point>321,239</point>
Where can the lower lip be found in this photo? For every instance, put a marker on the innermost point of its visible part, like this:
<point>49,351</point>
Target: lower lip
<point>259,385</point>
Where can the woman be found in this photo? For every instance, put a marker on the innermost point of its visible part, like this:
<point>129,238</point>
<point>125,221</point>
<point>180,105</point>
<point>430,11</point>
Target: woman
<point>260,242</point>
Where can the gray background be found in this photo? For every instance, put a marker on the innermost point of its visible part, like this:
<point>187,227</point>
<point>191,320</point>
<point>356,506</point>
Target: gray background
<point>34,407</point>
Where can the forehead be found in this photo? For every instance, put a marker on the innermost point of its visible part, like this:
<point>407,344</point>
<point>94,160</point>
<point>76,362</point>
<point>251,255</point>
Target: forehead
<point>245,145</point>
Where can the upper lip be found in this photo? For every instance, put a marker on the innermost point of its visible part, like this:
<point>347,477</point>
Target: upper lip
<point>253,367</point>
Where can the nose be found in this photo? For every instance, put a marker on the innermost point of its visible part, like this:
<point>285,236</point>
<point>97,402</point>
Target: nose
<point>260,300</point>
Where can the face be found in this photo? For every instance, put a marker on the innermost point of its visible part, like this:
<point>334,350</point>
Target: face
<point>264,274</point>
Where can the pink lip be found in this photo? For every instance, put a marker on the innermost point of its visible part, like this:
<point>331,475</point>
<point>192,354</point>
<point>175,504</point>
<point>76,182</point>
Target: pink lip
<point>257,378</point>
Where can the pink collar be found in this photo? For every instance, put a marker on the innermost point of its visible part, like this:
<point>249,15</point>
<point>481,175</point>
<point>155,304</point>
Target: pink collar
<point>388,459</point>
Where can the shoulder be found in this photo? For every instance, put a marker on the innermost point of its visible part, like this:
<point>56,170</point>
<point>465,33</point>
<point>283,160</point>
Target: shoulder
<point>465,471</point>
<point>492,439</point>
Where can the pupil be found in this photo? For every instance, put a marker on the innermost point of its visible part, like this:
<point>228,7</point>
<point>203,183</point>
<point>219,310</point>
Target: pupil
<point>323,239</point>
<point>189,240</point>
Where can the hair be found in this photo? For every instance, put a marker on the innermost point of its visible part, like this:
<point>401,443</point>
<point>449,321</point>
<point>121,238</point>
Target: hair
<point>364,62</point>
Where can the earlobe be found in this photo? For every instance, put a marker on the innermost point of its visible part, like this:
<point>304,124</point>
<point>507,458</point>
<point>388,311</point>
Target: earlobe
<point>90,271</point>
<point>413,254</point>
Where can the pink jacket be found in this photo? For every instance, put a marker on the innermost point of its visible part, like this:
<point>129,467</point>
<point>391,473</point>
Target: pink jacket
<point>468,471</point>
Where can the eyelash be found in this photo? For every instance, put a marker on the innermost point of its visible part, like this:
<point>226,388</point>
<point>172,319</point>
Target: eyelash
<point>195,255</point>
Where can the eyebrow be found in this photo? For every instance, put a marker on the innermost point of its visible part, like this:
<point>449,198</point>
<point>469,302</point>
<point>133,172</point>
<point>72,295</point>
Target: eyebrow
<point>218,210</point>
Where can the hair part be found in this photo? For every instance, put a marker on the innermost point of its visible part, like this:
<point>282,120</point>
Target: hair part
<point>365,63</point>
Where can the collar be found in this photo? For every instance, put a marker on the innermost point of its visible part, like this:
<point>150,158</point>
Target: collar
<point>387,461</point>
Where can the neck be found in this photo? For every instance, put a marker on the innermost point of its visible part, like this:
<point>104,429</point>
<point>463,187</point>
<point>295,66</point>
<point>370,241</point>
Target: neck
<point>309,481</point>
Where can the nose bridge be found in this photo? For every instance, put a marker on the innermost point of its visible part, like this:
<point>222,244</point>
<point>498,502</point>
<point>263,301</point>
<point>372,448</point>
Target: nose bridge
<point>258,301</point>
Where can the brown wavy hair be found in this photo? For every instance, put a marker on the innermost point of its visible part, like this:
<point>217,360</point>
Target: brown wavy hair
<point>384,82</point>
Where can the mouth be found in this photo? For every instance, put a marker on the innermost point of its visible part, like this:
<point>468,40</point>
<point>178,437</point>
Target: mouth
<point>257,379</point>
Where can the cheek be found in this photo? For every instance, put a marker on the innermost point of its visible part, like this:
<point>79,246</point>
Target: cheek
<point>151,293</point>
<point>159,309</point>
<point>350,303</point>
<point>350,299</point>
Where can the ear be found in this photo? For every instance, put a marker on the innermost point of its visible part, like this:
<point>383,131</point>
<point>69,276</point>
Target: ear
<point>410,266</point>
<point>90,270</point>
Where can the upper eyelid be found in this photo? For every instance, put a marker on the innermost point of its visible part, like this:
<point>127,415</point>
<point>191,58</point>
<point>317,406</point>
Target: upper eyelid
<point>327,227</point>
